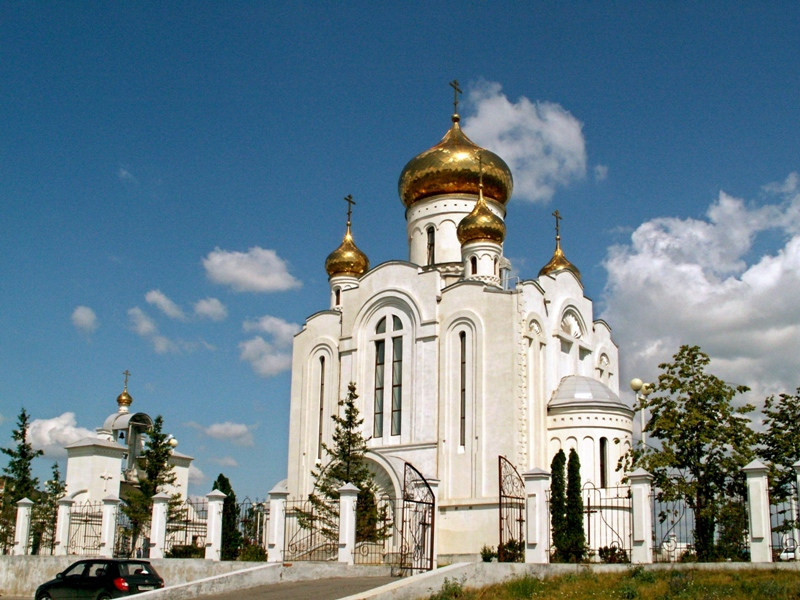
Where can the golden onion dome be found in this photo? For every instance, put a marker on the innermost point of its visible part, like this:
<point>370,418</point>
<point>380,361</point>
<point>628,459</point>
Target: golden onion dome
<point>124,399</point>
<point>481,224</point>
<point>347,259</point>
<point>452,167</point>
<point>559,262</point>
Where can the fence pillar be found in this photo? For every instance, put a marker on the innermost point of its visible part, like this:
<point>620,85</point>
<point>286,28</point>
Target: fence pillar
<point>158,526</point>
<point>434,485</point>
<point>347,522</point>
<point>63,519</point>
<point>641,517</point>
<point>216,499</point>
<point>22,530</point>
<point>277,523</point>
<point>537,530</point>
<point>758,512</point>
<point>108,528</point>
<point>795,515</point>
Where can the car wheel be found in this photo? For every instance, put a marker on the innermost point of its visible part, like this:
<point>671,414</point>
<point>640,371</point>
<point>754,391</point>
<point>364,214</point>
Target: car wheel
<point>44,596</point>
<point>104,597</point>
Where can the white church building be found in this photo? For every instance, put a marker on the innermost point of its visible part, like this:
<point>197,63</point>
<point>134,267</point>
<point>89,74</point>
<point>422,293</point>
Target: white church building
<point>454,366</point>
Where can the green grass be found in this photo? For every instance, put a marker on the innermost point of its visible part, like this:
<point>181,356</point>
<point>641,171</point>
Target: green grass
<point>638,583</point>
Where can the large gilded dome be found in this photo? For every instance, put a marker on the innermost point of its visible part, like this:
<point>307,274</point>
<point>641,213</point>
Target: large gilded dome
<point>347,259</point>
<point>452,167</point>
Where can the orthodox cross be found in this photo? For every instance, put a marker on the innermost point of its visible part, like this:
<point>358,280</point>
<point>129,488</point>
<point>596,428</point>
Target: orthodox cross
<point>456,92</point>
<point>350,203</point>
<point>127,374</point>
<point>558,217</point>
<point>106,477</point>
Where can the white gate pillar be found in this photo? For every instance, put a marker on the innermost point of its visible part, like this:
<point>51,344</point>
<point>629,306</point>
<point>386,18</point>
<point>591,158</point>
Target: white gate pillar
<point>277,523</point>
<point>216,500</point>
<point>348,494</point>
<point>63,519</point>
<point>537,530</point>
<point>108,527</point>
<point>434,485</point>
<point>22,530</point>
<point>758,512</point>
<point>641,517</point>
<point>158,525</point>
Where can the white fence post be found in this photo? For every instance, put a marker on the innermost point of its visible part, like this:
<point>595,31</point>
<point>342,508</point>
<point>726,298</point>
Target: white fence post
<point>216,500</point>
<point>642,517</point>
<point>108,527</point>
<point>434,485</point>
<point>277,523</point>
<point>22,530</point>
<point>795,504</point>
<point>537,522</point>
<point>758,512</point>
<point>63,519</point>
<point>158,527</point>
<point>347,522</point>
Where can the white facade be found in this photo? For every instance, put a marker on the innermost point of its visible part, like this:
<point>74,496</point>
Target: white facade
<point>467,368</point>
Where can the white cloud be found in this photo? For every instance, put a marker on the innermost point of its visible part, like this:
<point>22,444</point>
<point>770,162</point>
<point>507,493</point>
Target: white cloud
<point>281,331</point>
<point>211,308</point>
<point>125,175</point>
<point>236,433</point>
<point>225,461</point>
<point>265,358</point>
<point>84,319</point>
<point>700,281</point>
<point>541,141</point>
<point>257,270</point>
<point>600,172</point>
<point>143,325</point>
<point>51,435</point>
<point>196,475</point>
<point>158,299</point>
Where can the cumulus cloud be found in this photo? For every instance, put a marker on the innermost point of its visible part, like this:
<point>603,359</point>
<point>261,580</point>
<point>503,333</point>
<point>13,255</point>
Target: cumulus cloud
<point>257,270</point>
<point>160,300</point>
<point>51,435</point>
<point>225,461</point>
<point>541,141</point>
<point>143,325</point>
<point>273,356</point>
<point>236,433</point>
<point>84,319</point>
<point>196,475</point>
<point>211,308</point>
<point>728,282</point>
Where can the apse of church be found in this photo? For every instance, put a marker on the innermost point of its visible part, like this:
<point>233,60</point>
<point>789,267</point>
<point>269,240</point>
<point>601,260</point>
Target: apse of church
<point>453,365</point>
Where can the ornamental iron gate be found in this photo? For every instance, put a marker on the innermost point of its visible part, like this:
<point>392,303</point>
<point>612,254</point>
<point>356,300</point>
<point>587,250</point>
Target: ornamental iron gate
<point>512,513</point>
<point>419,506</point>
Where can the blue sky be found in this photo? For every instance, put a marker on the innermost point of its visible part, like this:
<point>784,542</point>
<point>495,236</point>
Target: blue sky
<point>172,175</point>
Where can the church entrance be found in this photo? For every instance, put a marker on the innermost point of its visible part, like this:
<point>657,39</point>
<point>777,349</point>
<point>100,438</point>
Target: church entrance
<point>512,513</point>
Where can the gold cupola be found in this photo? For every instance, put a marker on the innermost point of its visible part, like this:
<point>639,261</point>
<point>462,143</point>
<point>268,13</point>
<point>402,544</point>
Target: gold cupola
<point>124,400</point>
<point>347,259</point>
<point>481,225</point>
<point>559,262</point>
<point>451,167</point>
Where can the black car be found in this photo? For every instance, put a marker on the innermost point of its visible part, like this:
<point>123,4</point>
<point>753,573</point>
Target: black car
<point>101,579</point>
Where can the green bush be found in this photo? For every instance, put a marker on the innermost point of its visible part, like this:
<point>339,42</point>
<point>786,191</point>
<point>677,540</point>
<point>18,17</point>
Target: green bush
<point>187,551</point>
<point>511,551</point>
<point>488,553</point>
<point>451,590</point>
<point>252,553</point>
<point>613,555</point>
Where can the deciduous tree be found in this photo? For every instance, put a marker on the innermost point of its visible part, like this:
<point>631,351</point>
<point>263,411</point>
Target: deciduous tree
<point>779,444</point>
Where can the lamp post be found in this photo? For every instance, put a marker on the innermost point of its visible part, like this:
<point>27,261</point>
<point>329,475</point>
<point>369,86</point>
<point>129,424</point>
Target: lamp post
<point>642,390</point>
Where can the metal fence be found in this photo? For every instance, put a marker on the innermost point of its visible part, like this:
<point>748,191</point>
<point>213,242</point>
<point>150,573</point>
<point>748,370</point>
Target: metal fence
<point>607,523</point>
<point>85,528</point>
<point>131,539</point>
<point>311,533</point>
<point>379,542</point>
<point>785,521</point>
<point>187,525</point>
<point>252,523</point>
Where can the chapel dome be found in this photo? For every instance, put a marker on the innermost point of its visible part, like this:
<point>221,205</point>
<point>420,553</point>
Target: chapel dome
<point>452,167</point>
<point>481,225</point>
<point>578,391</point>
<point>347,259</point>
<point>124,400</point>
<point>559,263</point>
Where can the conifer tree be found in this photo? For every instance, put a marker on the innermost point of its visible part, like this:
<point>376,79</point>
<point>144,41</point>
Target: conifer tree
<point>231,538</point>
<point>45,512</point>
<point>20,482</point>
<point>558,505</point>
<point>575,538</point>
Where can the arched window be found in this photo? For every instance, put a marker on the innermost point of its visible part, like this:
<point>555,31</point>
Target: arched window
<point>603,462</point>
<point>338,295</point>
<point>431,245</point>
<point>495,265</point>
<point>388,350</point>
<point>321,403</point>
<point>462,430</point>
<point>473,265</point>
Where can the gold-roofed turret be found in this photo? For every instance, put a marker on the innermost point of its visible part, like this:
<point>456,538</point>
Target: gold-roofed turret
<point>124,400</point>
<point>559,262</point>
<point>481,224</point>
<point>451,167</point>
<point>347,259</point>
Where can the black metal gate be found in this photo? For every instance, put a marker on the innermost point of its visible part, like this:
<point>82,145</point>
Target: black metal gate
<point>512,513</point>
<point>419,505</point>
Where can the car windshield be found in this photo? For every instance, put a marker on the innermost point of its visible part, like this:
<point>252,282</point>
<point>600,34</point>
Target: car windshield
<point>135,568</point>
<point>75,570</point>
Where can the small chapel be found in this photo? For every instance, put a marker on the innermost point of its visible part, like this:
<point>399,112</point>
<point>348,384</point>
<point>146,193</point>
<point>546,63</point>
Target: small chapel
<point>456,365</point>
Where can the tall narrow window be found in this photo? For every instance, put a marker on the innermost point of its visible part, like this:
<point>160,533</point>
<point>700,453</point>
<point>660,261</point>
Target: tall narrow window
<point>397,384</point>
<point>338,294</point>
<point>380,358</point>
<point>431,245</point>
<point>321,403</point>
<point>462,433</point>
<point>473,263</point>
<point>603,462</point>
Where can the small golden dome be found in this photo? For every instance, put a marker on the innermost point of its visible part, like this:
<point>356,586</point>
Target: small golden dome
<point>559,262</point>
<point>347,259</point>
<point>451,167</point>
<point>481,225</point>
<point>124,399</point>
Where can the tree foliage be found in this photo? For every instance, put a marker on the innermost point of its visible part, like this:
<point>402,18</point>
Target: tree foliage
<point>558,504</point>
<point>20,482</point>
<point>575,538</point>
<point>703,441</point>
<point>346,464</point>
<point>231,537</point>
<point>779,444</point>
<point>45,512</point>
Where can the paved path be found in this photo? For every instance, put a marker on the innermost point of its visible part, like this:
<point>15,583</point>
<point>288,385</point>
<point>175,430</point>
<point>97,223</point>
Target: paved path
<point>317,589</point>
